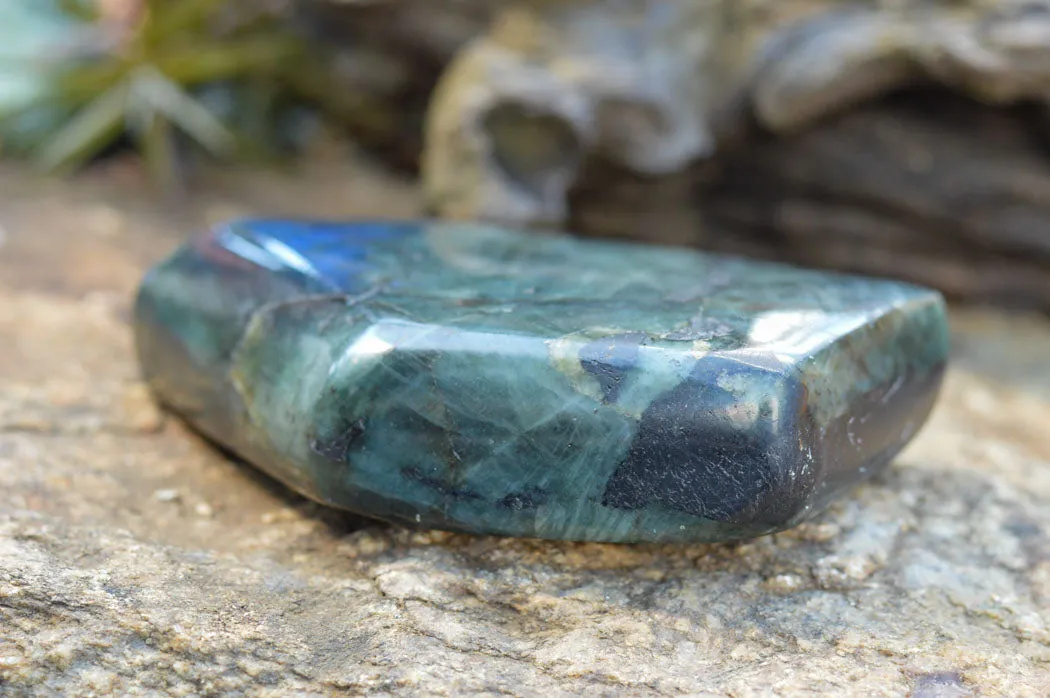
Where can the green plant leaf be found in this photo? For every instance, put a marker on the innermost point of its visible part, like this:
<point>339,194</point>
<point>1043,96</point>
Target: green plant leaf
<point>158,152</point>
<point>80,82</point>
<point>166,19</point>
<point>92,129</point>
<point>165,97</point>
<point>197,64</point>
<point>145,86</point>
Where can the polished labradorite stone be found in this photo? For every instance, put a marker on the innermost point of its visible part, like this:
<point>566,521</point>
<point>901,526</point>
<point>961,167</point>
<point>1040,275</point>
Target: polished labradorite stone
<point>477,379</point>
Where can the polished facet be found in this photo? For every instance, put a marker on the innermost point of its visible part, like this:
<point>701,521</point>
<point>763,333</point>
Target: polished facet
<point>472,378</point>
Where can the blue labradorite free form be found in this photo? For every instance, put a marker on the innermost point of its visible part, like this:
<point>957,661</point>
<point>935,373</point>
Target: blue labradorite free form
<point>473,378</point>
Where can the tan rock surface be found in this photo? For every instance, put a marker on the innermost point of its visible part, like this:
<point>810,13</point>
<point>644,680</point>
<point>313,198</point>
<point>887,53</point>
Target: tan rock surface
<point>135,558</point>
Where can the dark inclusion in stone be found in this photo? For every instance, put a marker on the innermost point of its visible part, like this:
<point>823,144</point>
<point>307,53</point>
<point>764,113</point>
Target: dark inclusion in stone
<point>479,379</point>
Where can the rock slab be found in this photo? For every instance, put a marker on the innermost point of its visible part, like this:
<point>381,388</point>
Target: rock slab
<point>483,379</point>
<point>135,558</point>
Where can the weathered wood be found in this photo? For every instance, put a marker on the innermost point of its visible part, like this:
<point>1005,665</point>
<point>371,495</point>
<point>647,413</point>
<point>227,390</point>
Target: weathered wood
<point>380,61</point>
<point>927,185</point>
<point>924,186</point>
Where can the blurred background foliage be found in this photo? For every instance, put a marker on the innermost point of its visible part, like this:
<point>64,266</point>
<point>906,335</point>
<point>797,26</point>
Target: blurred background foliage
<point>170,78</point>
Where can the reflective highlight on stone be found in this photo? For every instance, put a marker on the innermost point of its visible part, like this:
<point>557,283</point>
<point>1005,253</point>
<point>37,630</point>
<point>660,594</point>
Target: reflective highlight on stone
<point>477,379</point>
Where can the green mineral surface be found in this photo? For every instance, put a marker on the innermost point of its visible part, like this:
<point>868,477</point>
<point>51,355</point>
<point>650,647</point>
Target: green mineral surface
<point>478,379</point>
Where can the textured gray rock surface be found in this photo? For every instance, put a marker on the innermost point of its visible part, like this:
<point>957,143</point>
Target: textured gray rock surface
<point>133,557</point>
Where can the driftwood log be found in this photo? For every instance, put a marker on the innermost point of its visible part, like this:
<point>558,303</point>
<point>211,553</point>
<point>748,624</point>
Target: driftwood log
<point>893,138</point>
<point>924,186</point>
<point>380,60</point>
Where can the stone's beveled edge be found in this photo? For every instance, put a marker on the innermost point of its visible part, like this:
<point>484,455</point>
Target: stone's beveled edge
<point>887,377</point>
<point>330,254</point>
